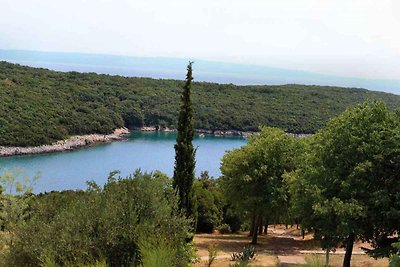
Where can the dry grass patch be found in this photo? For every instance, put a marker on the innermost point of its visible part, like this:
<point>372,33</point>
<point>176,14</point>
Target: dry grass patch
<point>282,242</point>
<point>356,261</point>
<point>261,260</point>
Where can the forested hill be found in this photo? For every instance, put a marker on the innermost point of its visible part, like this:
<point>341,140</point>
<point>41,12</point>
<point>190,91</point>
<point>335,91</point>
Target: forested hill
<point>38,106</point>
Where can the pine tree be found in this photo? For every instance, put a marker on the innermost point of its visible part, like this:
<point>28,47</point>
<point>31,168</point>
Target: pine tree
<point>184,150</point>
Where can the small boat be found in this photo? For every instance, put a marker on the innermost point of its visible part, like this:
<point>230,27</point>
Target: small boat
<point>202,135</point>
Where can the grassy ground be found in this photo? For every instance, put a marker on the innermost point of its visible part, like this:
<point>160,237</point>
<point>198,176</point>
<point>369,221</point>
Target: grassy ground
<point>356,260</point>
<point>281,247</point>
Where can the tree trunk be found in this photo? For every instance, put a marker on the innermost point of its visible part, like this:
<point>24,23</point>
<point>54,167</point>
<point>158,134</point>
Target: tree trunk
<point>266,227</point>
<point>255,232</point>
<point>327,258</point>
<point>349,250</point>
<point>253,222</point>
<point>260,225</point>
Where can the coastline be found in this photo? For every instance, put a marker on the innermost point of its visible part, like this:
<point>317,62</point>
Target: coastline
<point>244,134</point>
<point>199,131</point>
<point>72,143</point>
<point>80,141</point>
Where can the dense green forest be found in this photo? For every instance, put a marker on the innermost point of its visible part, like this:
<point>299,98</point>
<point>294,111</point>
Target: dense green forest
<point>38,106</point>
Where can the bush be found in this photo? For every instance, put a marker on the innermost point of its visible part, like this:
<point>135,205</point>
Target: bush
<point>248,254</point>
<point>224,229</point>
<point>395,258</point>
<point>104,224</point>
<point>160,255</point>
<point>212,254</point>
<point>232,218</point>
<point>209,210</point>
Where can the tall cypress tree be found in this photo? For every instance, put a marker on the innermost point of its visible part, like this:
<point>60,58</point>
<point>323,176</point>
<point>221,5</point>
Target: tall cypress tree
<point>184,150</point>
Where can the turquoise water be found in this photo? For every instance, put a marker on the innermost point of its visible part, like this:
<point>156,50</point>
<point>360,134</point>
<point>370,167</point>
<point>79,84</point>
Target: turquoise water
<point>148,151</point>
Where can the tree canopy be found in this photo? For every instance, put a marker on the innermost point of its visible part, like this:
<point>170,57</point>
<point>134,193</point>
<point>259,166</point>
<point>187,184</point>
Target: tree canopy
<point>253,175</point>
<point>347,186</point>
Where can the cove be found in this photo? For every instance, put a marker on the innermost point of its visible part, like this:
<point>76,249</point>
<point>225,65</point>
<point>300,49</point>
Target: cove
<point>148,151</point>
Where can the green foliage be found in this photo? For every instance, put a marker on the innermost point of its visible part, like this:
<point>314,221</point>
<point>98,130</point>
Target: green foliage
<point>48,262</point>
<point>224,229</point>
<point>128,221</point>
<point>16,182</point>
<point>213,208</point>
<point>160,255</point>
<point>39,106</point>
<point>240,264</point>
<point>212,254</point>
<point>248,254</point>
<point>209,203</point>
<point>232,217</point>
<point>395,258</point>
<point>253,175</point>
<point>348,183</point>
<point>15,195</point>
<point>185,152</point>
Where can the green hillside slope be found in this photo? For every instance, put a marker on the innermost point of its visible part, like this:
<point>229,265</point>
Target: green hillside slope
<point>39,106</point>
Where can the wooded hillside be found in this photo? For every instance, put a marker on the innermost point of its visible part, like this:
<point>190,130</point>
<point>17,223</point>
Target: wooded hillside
<point>39,106</point>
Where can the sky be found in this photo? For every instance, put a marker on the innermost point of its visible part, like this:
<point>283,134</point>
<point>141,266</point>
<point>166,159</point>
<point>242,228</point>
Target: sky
<point>352,38</point>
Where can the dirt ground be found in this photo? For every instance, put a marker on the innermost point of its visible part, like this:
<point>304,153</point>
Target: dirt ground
<point>280,247</point>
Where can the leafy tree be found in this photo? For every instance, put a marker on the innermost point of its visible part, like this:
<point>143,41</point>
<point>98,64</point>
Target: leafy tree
<point>209,203</point>
<point>184,150</point>
<point>347,186</point>
<point>253,175</point>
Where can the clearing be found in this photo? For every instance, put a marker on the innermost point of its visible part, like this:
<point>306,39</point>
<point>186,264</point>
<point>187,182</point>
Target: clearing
<point>280,247</point>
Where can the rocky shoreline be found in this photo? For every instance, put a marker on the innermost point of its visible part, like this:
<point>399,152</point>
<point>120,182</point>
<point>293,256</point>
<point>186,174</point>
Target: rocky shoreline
<point>79,141</point>
<point>71,143</point>
<point>200,131</point>
<point>213,132</point>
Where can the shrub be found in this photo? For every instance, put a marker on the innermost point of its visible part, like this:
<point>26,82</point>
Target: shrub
<point>395,258</point>
<point>248,254</point>
<point>212,254</point>
<point>224,229</point>
<point>160,255</point>
<point>106,223</point>
<point>232,218</point>
<point>208,206</point>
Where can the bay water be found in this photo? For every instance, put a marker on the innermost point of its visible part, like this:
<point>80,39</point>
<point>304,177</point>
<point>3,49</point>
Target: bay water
<point>148,151</point>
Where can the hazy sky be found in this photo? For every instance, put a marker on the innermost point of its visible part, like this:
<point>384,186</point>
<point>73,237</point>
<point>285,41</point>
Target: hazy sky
<point>359,38</point>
